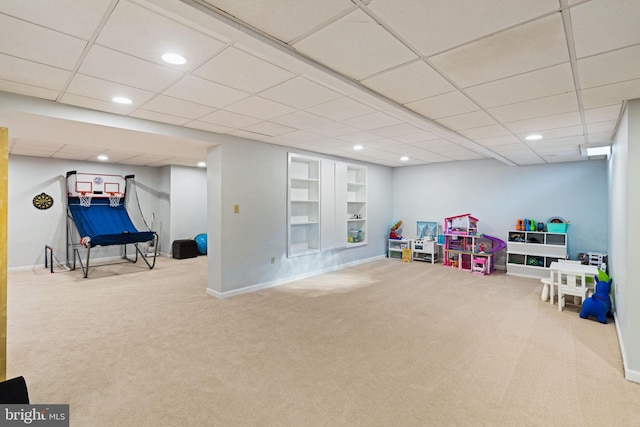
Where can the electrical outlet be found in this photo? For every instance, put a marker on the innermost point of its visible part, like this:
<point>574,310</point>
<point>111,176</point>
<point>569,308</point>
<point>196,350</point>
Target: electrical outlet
<point>273,260</point>
<point>236,208</point>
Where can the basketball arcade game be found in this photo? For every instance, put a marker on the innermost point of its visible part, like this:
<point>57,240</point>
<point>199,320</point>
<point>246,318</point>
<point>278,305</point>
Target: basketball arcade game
<point>101,208</point>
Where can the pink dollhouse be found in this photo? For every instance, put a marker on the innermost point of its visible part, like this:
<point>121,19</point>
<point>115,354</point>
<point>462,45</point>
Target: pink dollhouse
<point>465,248</point>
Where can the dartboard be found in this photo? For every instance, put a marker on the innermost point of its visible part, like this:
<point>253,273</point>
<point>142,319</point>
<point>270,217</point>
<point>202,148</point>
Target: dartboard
<point>43,201</point>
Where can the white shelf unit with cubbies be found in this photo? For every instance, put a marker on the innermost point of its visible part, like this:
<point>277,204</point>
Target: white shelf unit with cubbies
<point>529,253</point>
<point>395,247</point>
<point>356,205</point>
<point>304,205</point>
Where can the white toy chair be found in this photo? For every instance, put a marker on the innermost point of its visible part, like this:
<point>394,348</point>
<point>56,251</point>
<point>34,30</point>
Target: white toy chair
<point>570,283</point>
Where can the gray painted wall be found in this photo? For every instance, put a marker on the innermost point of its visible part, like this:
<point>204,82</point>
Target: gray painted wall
<point>624,207</point>
<point>254,176</point>
<point>498,195</point>
<point>188,212</point>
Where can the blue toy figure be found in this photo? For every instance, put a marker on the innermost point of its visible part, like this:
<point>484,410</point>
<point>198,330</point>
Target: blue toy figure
<point>599,305</point>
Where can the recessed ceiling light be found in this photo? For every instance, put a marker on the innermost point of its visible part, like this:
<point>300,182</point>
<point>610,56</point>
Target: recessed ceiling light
<point>533,137</point>
<point>404,158</point>
<point>173,58</point>
<point>358,147</point>
<point>201,164</point>
<point>121,100</point>
<point>103,157</point>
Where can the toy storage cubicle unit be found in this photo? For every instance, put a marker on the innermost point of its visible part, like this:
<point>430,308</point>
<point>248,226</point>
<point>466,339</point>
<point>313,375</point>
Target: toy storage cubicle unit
<point>467,249</point>
<point>425,246</point>
<point>530,253</point>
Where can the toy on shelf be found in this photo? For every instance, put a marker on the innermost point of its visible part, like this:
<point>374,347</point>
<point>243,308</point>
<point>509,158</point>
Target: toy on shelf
<point>467,249</point>
<point>396,228</point>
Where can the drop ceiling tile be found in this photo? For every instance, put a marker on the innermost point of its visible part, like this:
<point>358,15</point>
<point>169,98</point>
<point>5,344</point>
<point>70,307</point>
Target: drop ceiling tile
<point>22,89</point>
<point>409,83</point>
<point>264,109</point>
<point>540,107</point>
<point>359,138</point>
<point>544,123</point>
<point>601,114</point>
<point>498,140</point>
<point>510,147</point>
<point>117,67</point>
<point>341,109</point>
<point>284,19</point>
<point>300,93</point>
<point>301,136</point>
<point>204,92</point>
<point>333,129</point>
<point>445,105</point>
<point>209,127</point>
<point>269,129</point>
<point>426,156</point>
<point>531,46</point>
<point>301,120</point>
<point>249,135</point>
<point>159,117</point>
<point>485,132</point>
<point>556,143</point>
<point>467,121</point>
<point>560,132</point>
<point>416,137</point>
<point>145,34</point>
<point>229,119</point>
<point>78,19</point>
<point>600,26</point>
<point>96,104</point>
<point>102,90</point>
<point>381,154</point>
<point>39,44</point>
<point>239,70</point>
<point>607,126</point>
<point>462,154</point>
<point>602,96</point>
<point>595,137</point>
<point>549,81</point>
<point>31,73</point>
<point>436,145</point>
<point>434,26</point>
<point>372,121</point>
<point>355,45</point>
<point>398,130</point>
<point>610,67</point>
<point>177,107</point>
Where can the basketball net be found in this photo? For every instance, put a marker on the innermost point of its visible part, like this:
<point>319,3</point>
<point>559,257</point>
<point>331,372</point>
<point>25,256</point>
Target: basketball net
<point>114,199</point>
<point>85,199</point>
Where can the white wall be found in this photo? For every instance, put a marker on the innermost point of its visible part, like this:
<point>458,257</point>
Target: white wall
<point>254,176</point>
<point>498,195</point>
<point>188,198</point>
<point>624,206</point>
<point>163,217</point>
<point>30,229</point>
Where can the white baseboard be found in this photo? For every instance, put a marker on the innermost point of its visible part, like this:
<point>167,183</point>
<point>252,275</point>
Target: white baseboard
<point>273,283</point>
<point>629,374</point>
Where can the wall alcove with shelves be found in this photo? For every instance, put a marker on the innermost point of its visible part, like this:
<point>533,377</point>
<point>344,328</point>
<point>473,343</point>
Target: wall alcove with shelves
<point>327,205</point>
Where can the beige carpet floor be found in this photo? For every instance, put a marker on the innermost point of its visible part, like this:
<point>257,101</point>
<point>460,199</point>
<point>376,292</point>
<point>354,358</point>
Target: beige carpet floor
<point>382,344</point>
